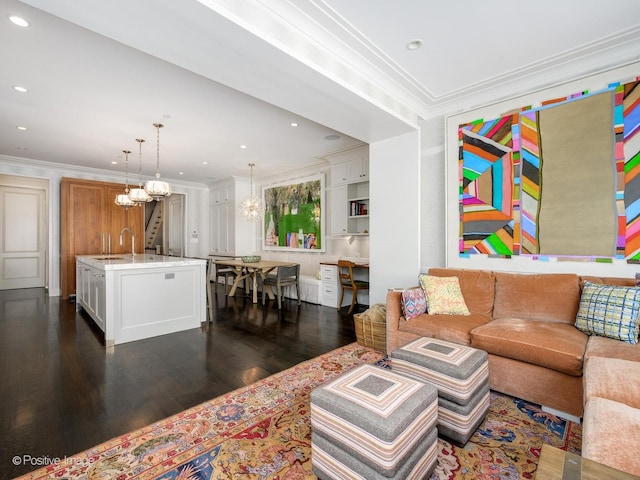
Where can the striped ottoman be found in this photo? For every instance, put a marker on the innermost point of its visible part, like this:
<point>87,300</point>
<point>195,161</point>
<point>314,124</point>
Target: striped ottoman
<point>371,423</point>
<point>461,375</point>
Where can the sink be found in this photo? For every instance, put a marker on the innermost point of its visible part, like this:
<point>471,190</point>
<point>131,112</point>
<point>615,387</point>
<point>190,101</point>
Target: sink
<point>108,258</point>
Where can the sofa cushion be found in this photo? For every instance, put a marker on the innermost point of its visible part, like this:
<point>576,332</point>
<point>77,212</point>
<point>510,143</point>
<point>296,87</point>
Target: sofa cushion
<point>612,378</point>
<point>414,302</point>
<point>477,286</point>
<point>609,311</point>
<point>453,328</point>
<point>444,296</point>
<point>609,429</point>
<point>548,344</point>
<point>608,347</point>
<point>626,282</point>
<point>553,297</point>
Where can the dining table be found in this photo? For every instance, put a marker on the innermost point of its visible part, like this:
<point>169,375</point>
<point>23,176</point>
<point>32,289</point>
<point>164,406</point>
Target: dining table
<point>252,271</point>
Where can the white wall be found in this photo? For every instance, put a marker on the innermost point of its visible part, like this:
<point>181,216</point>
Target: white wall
<point>432,194</point>
<point>196,207</point>
<point>394,168</point>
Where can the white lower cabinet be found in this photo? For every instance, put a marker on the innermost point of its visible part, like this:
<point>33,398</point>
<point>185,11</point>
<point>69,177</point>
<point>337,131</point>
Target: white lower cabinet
<point>330,286</point>
<point>91,292</point>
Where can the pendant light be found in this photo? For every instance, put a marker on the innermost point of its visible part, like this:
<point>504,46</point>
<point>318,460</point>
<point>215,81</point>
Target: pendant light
<point>123,199</point>
<point>158,189</point>
<point>251,207</point>
<point>138,195</point>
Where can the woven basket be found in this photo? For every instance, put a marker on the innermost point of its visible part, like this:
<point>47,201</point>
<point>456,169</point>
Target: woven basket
<point>371,327</point>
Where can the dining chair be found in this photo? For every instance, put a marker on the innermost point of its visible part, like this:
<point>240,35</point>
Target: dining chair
<point>283,277</point>
<point>225,272</point>
<point>210,269</point>
<point>347,282</point>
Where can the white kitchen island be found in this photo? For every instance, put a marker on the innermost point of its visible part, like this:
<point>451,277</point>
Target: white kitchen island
<point>142,296</point>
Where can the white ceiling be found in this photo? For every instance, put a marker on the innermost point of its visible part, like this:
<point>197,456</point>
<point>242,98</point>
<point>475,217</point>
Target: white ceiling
<point>100,73</point>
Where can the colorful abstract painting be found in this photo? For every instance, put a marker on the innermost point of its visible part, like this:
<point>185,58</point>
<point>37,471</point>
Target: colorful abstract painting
<point>294,215</point>
<point>488,186</point>
<point>559,180</point>
<point>630,94</point>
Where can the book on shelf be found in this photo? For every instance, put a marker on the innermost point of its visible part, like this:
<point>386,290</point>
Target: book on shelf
<point>357,208</point>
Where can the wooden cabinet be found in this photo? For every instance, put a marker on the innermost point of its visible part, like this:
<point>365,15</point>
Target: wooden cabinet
<point>90,224</point>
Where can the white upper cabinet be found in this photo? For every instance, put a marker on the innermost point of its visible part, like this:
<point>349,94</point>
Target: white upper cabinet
<point>230,233</point>
<point>358,170</point>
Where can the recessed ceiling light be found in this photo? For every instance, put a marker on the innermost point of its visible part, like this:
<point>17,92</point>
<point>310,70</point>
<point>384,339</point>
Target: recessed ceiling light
<point>20,89</point>
<point>180,173</point>
<point>21,128</point>
<point>293,124</point>
<point>332,137</point>
<point>414,44</point>
<point>205,163</point>
<point>21,22</point>
<point>114,163</point>
<point>243,147</point>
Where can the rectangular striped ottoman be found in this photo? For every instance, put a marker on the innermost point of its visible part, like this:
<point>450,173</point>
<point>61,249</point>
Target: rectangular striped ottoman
<point>461,375</point>
<point>371,423</point>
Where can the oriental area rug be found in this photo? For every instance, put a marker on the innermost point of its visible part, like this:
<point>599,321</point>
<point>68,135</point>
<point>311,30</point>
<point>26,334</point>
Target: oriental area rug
<point>263,432</point>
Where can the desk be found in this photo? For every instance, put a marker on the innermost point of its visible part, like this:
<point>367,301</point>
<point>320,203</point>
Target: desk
<point>551,466</point>
<point>252,270</point>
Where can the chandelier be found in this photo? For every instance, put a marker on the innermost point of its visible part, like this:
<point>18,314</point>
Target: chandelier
<point>123,199</point>
<point>251,208</point>
<point>158,189</point>
<point>138,195</point>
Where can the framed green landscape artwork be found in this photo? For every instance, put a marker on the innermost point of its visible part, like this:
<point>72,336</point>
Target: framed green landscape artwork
<point>294,215</point>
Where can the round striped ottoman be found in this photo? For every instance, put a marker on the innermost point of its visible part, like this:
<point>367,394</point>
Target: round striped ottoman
<point>461,375</point>
<point>371,423</point>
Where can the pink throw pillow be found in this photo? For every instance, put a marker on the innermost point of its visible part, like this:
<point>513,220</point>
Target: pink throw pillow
<point>414,302</point>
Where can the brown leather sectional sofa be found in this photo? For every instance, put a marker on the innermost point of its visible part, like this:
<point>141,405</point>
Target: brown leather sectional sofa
<point>526,324</point>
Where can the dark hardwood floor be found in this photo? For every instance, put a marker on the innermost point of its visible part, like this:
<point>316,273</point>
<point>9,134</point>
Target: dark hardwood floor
<point>62,391</point>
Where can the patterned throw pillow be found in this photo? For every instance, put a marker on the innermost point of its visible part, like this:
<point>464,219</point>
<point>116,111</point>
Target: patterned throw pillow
<point>444,296</point>
<point>414,302</point>
<point>609,311</point>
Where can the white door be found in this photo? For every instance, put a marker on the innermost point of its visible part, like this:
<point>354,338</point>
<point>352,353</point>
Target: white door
<point>174,225</point>
<point>23,236</point>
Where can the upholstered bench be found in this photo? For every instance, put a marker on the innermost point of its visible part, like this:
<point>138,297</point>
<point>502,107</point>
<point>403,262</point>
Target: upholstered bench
<point>461,375</point>
<point>373,423</point>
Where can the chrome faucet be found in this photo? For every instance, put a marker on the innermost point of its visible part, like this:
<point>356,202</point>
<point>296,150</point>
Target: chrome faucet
<point>133,240</point>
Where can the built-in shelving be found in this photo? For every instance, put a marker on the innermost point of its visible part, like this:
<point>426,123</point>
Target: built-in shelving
<point>350,194</point>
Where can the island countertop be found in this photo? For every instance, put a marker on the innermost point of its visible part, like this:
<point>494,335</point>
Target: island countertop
<point>127,262</point>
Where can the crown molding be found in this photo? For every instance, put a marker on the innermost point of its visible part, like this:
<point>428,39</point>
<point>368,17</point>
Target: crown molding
<point>64,169</point>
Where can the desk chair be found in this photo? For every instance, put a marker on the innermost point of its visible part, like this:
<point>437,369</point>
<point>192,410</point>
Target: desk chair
<point>284,276</point>
<point>347,282</point>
